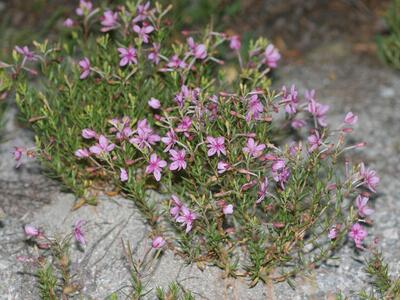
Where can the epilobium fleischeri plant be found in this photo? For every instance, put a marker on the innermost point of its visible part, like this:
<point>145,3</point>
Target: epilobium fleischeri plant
<point>253,179</point>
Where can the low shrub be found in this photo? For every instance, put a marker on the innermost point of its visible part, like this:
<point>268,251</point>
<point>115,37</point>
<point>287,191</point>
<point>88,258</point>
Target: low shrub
<point>253,179</point>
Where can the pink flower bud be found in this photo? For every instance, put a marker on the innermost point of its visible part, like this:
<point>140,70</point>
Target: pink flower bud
<point>154,103</point>
<point>78,232</point>
<point>350,118</point>
<point>278,225</point>
<point>228,209</point>
<point>31,231</point>
<point>158,242</point>
<point>123,175</point>
<point>18,153</point>
<point>297,123</point>
<point>270,157</point>
<point>361,145</point>
<point>68,23</point>
<point>88,133</point>
<point>347,130</point>
<point>332,233</point>
<point>223,167</point>
<point>43,245</point>
<point>81,153</point>
<point>235,42</point>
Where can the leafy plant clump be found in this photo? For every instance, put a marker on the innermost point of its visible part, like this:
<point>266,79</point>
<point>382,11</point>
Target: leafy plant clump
<point>253,179</point>
<point>389,45</point>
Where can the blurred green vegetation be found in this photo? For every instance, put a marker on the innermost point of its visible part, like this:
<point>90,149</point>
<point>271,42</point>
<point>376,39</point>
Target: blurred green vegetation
<point>24,21</point>
<point>197,14</point>
<point>389,45</point>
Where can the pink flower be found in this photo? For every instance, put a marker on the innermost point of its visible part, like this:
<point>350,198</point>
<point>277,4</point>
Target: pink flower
<point>350,118</point>
<point>17,153</point>
<point>315,141</point>
<point>109,21</point>
<point>280,172</point>
<point>199,51</point>
<point>123,175</point>
<point>184,126</point>
<point>28,55</point>
<point>318,110</point>
<point>155,166</point>
<point>253,148</point>
<point>223,167</point>
<point>371,180</point>
<point>145,136</point>
<point>31,231</point>
<point>89,134</point>
<point>143,31</point>
<point>271,56</point>
<point>298,123</point>
<point>78,232</point>
<point>128,56</point>
<point>84,7</point>
<point>85,68</point>
<point>175,62</point>
<point>169,140</point>
<point>187,94</point>
<point>262,192</point>
<point>278,165</point>
<point>227,209</point>
<point>363,209</point>
<point>154,55</point>
<point>154,103</point>
<point>82,153</point>
<point>142,12</point>
<point>216,146</point>
<point>358,234</point>
<point>290,99</point>
<point>178,158</point>
<point>186,218</point>
<point>121,128</point>
<point>234,42</point>
<point>254,108</point>
<point>332,234</point>
<point>102,147</point>
<point>176,207</point>
<point>158,242</point>
<point>68,23</point>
